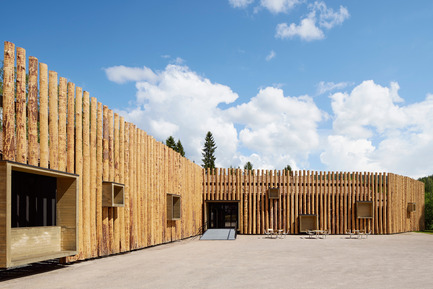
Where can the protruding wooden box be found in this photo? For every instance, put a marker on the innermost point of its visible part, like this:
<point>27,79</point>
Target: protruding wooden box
<point>411,207</point>
<point>36,242</point>
<point>274,193</point>
<point>307,222</point>
<point>173,207</point>
<point>113,194</point>
<point>364,209</point>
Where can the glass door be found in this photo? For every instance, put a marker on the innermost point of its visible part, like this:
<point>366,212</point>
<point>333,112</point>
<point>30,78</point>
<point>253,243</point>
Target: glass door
<point>223,215</point>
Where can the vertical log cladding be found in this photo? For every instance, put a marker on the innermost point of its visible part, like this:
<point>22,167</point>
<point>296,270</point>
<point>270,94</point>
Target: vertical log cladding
<point>70,166</point>
<point>33,153</point>
<point>53,119</point>
<point>105,177</point>
<point>62,124</point>
<point>21,112</point>
<point>99,164</point>
<point>86,175</point>
<point>116,220</point>
<point>79,161</point>
<point>93,176</point>
<point>9,102</point>
<point>332,196</point>
<point>43,115</point>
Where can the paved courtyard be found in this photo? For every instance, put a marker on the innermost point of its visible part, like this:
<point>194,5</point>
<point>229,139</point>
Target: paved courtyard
<point>395,261</point>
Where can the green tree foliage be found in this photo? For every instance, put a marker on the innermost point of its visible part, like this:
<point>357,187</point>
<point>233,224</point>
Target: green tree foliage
<point>428,181</point>
<point>179,148</point>
<point>248,166</point>
<point>170,142</point>
<point>209,152</point>
<point>288,169</point>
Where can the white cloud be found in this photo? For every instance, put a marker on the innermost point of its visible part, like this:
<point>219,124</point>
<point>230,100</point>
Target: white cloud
<point>279,6</point>
<point>323,87</point>
<point>310,27</point>
<point>368,106</point>
<point>327,17</point>
<point>276,128</point>
<point>307,30</point>
<point>181,103</point>
<point>240,3</point>
<point>271,55</point>
<point>346,154</point>
<point>121,74</point>
<point>372,132</point>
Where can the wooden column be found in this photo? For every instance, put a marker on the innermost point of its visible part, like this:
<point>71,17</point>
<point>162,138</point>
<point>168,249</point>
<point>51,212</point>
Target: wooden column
<point>9,102</point>
<point>33,153</point>
<point>21,111</point>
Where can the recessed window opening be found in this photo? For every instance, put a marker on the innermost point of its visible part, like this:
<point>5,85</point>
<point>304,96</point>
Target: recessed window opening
<point>33,200</point>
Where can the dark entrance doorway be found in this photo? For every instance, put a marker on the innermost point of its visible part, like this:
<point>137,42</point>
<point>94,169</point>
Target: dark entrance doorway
<point>223,215</point>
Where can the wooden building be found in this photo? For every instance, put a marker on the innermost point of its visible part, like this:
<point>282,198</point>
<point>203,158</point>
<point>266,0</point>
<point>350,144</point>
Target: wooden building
<point>333,201</point>
<point>81,182</point>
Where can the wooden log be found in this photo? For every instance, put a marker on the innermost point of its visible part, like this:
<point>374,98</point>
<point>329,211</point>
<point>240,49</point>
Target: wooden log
<point>53,123</point>
<point>93,176</point>
<point>99,173</point>
<point>70,166</point>
<point>292,204</point>
<point>296,203</point>
<point>43,115</point>
<point>21,111</point>
<point>33,153</point>
<point>111,245</point>
<point>127,188</point>
<point>62,156</point>
<point>86,176</point>
<point>9,102</point>
<point>78,161</point>
<point>123,235</point>
<point>116,217</point>
<point>132,198</point>
<point>105,177</point>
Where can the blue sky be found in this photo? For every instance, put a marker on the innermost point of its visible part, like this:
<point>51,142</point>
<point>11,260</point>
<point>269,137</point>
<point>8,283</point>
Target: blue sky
<point>319,85</point>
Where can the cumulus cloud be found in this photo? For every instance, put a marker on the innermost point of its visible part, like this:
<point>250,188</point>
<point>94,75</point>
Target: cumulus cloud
<point>369,105</point>
<point>181,103</point>
<point>374,131</point>
<point>372,127</point>
<point>271,55</point>
<point>240,3</point>
<point>276,126</point>
<point>306,30</point>
<point>310,27</point>
<point>279,6</point>
<point>272,128</point>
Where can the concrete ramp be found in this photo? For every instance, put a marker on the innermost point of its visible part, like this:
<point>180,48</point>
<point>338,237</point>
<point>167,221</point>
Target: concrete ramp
<point>219,234</point>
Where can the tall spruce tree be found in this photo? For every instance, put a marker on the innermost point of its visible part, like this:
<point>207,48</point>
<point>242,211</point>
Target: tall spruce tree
<point>170,143</point>
<point>179,148</point>
<point>288,170</point>
<point>248,166</point>
<point>209,152</point>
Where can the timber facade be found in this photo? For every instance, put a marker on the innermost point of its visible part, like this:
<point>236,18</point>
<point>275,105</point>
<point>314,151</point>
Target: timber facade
<point>113,188</point>
<point>338,201</point>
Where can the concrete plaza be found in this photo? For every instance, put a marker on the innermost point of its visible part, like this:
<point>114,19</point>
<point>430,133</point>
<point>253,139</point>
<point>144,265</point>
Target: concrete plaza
<point>390,261</point>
